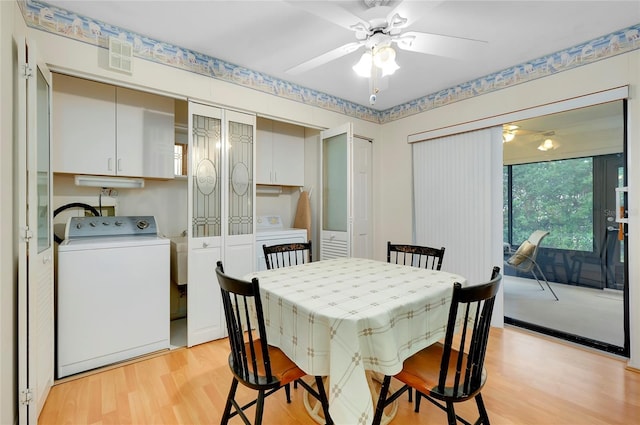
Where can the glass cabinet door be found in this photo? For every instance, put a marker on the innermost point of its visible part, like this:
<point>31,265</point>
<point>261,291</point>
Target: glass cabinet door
<point>207,175</point>
<point>240,138</point>
<point>239,242</point>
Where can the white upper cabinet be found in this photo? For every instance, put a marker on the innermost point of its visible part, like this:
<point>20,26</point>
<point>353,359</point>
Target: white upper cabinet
<point>108,130</point>
<point>84,126</point>
<point>145,134</point>
<point>279,153</point>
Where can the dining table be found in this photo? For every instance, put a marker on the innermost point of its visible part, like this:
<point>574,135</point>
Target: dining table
<point>343,317</point>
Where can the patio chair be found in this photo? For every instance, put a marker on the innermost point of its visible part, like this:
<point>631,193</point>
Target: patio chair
<point>524,258</point>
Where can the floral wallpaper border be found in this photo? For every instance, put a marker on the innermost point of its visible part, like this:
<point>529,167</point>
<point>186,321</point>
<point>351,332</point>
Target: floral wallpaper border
<point>48,18</point>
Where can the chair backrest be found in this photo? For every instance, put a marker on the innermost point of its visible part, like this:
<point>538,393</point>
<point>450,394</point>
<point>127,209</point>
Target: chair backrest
<point>525,256</point>
<point>415,255</point>
<point>537,236</point>
<point>461,376</point>
<point>249,359</point>
<point>287,254</point>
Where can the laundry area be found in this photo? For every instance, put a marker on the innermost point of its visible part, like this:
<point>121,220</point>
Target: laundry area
<point>128,255</point>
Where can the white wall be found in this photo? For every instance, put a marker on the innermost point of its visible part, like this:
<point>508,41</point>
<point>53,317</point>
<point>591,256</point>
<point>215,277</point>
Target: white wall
<point>393,157</point>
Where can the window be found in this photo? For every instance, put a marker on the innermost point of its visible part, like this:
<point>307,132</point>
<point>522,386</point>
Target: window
<point>553,195</point>
<point>180,159</point>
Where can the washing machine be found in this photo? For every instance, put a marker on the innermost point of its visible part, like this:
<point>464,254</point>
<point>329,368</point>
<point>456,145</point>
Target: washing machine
<point>112,297</point>
<point>271,231</point>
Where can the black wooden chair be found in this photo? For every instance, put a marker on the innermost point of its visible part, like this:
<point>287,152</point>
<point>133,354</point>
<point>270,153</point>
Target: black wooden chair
<point>253,362</point>
<point>287,254</point>
<point>415,255</point>
<point>453,371</point>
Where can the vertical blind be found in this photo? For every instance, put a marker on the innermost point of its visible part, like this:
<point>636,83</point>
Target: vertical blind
<point>457,183</point>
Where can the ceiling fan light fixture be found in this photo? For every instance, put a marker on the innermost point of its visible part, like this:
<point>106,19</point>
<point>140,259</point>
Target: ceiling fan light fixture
<point>385,59</point>
<point>546,145</point>
<point>383,56</point>
<point>389,68</point>
<point>363,67</point>
<point>508,136</point>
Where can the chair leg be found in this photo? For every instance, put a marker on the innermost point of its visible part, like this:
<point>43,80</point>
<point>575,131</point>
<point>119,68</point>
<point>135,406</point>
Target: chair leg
<point>227,407</point>
<point>484,417</point>
<point>323,400</point>
<point>451,414</point>
<point>384,389</point>
<point>259,408</point>
<point>537,280</point>
<point>287,391</point>
<point>418,398</point>
<point>545,280</point>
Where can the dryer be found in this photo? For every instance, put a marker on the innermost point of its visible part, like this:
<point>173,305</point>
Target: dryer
<point>270,231</point>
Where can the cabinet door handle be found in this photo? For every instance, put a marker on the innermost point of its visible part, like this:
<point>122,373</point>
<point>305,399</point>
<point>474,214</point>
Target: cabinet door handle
<point>119,164</point>
<point>110,164</point>
<point>275,177</point>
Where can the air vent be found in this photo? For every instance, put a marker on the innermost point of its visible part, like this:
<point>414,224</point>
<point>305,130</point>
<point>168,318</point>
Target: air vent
<point>120,55</point>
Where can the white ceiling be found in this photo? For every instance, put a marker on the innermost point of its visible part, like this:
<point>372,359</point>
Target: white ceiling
<point>273,36</point>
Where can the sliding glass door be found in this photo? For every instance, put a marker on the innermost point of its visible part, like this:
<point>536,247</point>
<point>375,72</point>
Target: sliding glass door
<point>568,188</point>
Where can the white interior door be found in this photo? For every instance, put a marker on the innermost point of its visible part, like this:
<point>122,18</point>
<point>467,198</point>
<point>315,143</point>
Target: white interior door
<point>336,209</point>
<point>206,193</point>
<point>35,221</point>
<point>362,239</point>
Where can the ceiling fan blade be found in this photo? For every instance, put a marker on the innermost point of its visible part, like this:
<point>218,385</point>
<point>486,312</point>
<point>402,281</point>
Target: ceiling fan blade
<point>329,11</point>
<point>439,45</point>
<point>324,58</point>
<point>413,10</point>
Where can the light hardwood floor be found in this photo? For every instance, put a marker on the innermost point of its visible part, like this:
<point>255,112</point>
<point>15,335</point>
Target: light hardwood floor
<point>532,380</point>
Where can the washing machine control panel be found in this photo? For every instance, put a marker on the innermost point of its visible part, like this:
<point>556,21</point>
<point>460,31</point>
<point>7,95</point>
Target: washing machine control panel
<point>80,227</point>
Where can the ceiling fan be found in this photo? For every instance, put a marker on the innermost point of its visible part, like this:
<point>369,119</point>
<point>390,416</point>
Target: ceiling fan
<point>376,33</point>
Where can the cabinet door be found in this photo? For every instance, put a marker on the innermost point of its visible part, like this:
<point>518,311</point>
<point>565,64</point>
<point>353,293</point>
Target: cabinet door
<point>264,151</point>
<point>84,126</point>
<point>144,134</point>
<point>205,319</point>
<point>240,189</point>
<point>288,154</point>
